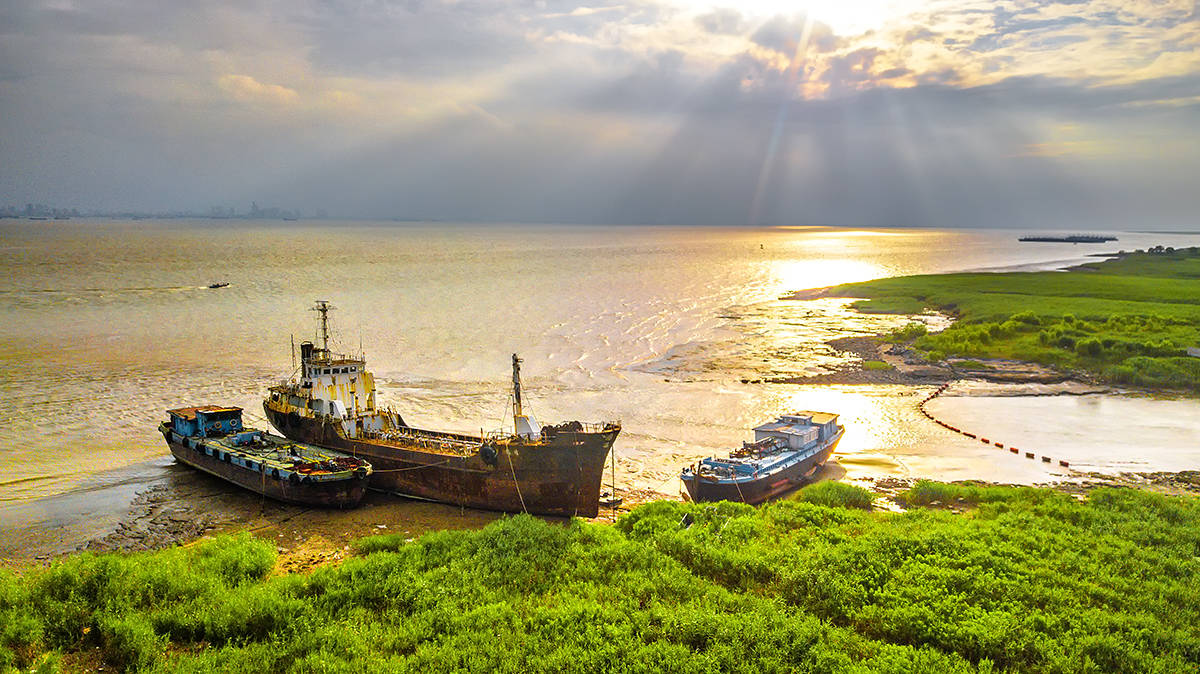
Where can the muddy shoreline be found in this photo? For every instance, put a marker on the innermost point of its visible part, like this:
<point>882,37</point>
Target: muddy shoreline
<point>162,517</point>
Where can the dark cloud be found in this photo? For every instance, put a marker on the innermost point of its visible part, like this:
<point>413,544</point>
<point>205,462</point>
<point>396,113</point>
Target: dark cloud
<point>722,22</point>
<point>848,70</point>
<point>783,35</point>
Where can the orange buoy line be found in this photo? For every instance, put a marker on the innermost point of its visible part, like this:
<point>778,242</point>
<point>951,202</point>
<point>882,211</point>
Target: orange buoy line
<point>942,389</point>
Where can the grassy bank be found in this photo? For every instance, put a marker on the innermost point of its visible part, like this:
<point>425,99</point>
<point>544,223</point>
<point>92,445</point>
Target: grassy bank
<point>1125,321</point>
<point>1031,580</point>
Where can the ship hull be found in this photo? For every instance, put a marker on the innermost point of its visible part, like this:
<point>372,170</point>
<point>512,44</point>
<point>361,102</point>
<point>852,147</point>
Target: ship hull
<point>342,493</point>
<point>559,478</point>
<point>758,490</point>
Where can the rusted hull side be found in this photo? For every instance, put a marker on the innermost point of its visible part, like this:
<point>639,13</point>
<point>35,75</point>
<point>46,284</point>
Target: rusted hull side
<point>560,478</point>
<point>763,488</point>
<point>343,493</point>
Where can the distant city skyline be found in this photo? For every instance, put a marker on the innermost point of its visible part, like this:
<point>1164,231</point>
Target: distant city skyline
<point>254,211</point>
<point>1018,113</point>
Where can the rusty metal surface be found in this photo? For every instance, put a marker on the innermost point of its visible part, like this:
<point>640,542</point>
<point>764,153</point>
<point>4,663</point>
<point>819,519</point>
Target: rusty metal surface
<point>345,493</point>
<point>560,477</point>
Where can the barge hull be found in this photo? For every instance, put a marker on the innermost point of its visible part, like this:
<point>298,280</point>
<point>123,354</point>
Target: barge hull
<point>561,478</point>
<point>329,493</point>
<point>756,491</point>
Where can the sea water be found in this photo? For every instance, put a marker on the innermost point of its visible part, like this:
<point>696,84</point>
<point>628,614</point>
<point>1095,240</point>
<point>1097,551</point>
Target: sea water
<point>104,324</point>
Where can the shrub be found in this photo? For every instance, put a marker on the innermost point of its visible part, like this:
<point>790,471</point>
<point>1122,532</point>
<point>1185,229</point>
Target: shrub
<point>237,559</point>
<point>925,492</point>
<point>1089,347</point>
<point>130,642</point>
<point>381,543</point>
<point>837,494</point>
<point>907,333</point>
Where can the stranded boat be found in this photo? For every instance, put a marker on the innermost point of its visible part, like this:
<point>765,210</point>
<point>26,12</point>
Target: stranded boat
<point>785,452</point>
<point>213,440</point>
<point>545,470</point>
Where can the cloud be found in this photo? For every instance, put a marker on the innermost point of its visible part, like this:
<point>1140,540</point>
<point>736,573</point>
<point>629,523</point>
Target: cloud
<point>246,88</point>
<point>641,111</point>
<point>722,21</point>
<point>784,35</point>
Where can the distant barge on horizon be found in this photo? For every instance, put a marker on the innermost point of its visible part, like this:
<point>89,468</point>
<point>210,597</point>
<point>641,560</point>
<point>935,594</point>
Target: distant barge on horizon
<point>1073,238</point>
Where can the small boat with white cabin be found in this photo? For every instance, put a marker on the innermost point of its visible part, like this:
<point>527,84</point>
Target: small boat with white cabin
<point>785,454</point>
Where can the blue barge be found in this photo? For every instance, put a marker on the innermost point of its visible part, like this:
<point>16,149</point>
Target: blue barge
<point>212,439</point>
<point>785,453</point>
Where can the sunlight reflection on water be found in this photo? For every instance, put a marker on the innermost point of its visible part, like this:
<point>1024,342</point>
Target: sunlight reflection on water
<point>103,325</point>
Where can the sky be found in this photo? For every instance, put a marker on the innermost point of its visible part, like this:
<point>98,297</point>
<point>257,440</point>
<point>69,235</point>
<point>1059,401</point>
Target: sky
<point>1018,113</point>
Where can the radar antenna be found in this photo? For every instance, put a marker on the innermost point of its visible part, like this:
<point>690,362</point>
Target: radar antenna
<point>323,308</point>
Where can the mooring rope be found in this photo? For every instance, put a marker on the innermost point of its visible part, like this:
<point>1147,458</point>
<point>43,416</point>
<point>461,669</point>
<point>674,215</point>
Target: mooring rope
<point>401,470</point>
<point>739,489</point>
<point>508,453</point>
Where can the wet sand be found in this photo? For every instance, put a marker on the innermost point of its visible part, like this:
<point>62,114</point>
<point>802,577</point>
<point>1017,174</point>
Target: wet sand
<point>188,511</point>
<point>187,506</point>
<point>183,505</point>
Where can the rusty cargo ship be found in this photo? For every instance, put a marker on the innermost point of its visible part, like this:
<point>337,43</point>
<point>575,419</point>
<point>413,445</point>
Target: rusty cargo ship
<point>212,439</point>
<point>545,470</point>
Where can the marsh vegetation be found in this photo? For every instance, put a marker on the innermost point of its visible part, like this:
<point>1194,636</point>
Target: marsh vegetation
<point>1027,580</point>
<point>1126,321</point>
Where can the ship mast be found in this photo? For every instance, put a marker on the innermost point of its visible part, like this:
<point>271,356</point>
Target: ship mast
<point>523,425</point>
<point>516,362</point>
<point>324,307</point>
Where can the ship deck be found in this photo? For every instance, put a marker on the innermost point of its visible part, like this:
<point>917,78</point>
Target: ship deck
<point>274,453</point>
<point>740,470</point>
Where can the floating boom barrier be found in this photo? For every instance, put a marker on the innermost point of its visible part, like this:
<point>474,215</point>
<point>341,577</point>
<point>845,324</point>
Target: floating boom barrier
<point>987,441</point>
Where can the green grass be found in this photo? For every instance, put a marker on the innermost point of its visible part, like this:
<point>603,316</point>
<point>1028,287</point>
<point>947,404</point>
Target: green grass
<point>876,365</point>
<point>836,494</point>
<point>1029,581</point>
<point>1126,321</point>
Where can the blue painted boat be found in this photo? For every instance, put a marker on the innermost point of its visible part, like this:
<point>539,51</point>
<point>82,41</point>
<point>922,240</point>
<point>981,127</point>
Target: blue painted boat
<point>785,454</point>
<point>212,439</point>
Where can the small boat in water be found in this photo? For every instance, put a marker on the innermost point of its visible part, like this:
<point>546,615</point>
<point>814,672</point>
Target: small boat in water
<point>212,439</point>
<point>785,453</point>
<point>222,284</point>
